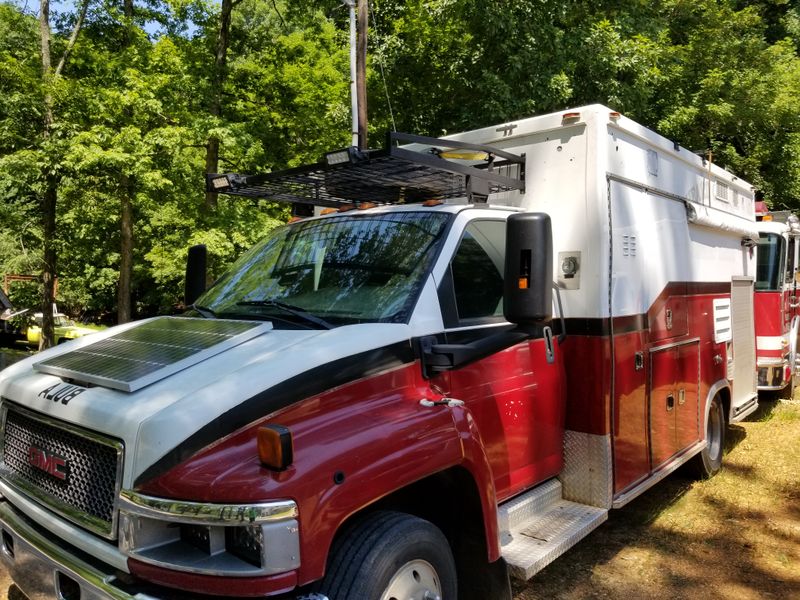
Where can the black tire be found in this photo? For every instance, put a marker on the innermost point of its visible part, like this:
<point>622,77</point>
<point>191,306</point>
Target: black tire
<point>709,461</point>
<point>386,552</point>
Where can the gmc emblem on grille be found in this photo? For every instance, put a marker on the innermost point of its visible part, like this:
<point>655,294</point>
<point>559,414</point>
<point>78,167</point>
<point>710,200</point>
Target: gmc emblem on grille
<point>51,464</point>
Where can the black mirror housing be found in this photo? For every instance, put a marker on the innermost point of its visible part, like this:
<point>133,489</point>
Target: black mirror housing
<point>195,282</point>
<point>527,294</point>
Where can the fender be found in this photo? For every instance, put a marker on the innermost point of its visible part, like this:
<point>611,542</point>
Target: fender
<point>477,463</point>
<point>353,446</point>
<point>715,389</point>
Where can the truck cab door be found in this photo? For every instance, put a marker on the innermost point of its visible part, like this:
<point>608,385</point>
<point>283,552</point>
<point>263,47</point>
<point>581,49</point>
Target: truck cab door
<point>791,293</point>
<point>515,395</point>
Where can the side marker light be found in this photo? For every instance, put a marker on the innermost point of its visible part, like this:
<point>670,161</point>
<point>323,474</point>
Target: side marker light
<point>275,447</point>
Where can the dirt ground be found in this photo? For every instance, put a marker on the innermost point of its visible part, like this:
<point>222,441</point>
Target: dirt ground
<point>736,536</point>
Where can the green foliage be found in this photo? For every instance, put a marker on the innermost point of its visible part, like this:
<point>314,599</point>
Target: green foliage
<point>733,93</point>
<point>132,107</point>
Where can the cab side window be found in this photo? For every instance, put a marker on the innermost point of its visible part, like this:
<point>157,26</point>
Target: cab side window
<point>477,272</point>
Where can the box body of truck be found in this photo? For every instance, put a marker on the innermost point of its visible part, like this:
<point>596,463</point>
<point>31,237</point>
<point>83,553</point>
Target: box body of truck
<point>354,377</point>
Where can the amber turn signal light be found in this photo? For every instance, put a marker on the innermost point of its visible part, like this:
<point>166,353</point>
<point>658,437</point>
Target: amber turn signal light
<point>275,447</point>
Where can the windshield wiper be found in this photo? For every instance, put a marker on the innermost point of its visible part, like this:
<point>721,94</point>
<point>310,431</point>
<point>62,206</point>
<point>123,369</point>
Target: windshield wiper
<point>204,311</point>
<point>292,310</point>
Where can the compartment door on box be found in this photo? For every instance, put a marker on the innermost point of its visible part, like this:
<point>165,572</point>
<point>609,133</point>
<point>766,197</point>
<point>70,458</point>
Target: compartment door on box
<point>674,386</point>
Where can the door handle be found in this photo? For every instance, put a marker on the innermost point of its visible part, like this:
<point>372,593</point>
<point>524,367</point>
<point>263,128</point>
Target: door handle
<point>670,402</point>
<point>451,402</point>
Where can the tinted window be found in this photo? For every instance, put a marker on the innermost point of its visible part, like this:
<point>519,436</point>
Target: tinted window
<point>769,262</point>
<point>477,269</point>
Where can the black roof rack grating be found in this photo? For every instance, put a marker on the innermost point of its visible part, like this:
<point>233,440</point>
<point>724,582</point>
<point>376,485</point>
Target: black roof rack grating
<point>395,175</point>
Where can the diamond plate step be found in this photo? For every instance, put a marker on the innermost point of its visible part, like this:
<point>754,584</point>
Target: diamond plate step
<point>517,511</point>
<point>539,527</point>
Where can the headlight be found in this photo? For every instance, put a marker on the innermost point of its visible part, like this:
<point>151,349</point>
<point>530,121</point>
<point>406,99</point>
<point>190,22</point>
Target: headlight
<point>212,539</point>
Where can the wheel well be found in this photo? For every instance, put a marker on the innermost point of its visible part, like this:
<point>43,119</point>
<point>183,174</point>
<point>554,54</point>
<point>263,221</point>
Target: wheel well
<point>448,499</point>
<point>725,397</point>
<point>451,501</point>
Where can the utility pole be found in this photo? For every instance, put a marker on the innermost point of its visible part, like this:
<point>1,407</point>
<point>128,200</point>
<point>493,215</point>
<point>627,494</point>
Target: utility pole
<point>361,72</point>
<point>351,5</point>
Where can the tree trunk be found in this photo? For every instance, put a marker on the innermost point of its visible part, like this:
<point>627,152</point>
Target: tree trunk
<point>217,81</point>
<point>126,194</point>
<point>50,196</point>
<point>124,313</point>
<point>47,336</point>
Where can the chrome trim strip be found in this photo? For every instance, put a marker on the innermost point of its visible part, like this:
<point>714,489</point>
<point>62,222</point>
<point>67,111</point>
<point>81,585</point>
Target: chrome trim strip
<point>63,509</point>
<point>772,362</point>
<point>54,556</point>
<point>675,344</point>
<point>745,410</point>
<point>180,511</point>
<point>99,526</point>
<point>71,534</point>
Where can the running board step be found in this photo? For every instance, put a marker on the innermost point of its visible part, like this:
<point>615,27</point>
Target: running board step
<point>539,526</point>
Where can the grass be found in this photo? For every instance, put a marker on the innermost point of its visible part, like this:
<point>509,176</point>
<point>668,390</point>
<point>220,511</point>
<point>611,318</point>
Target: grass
<point>735,536</point>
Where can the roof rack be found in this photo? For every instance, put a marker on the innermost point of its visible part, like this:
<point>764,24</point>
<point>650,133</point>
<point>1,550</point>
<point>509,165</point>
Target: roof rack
<point>425,168</point>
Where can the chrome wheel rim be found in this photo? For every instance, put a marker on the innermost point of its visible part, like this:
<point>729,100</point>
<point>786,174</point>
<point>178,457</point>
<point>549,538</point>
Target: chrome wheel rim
<point>415,580</point>
<point>713,436</point>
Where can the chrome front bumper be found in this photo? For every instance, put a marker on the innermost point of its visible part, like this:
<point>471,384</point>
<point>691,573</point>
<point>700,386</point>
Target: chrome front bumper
<point>46,569</point>
<point>771,376</point>
<point>43,569</point>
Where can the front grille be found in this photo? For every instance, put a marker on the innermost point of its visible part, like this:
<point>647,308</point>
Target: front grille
<point>75,472</point>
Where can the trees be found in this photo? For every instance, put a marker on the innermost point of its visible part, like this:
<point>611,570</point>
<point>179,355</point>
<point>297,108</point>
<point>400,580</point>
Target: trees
<point>153,94</point>
<point>736,94</point>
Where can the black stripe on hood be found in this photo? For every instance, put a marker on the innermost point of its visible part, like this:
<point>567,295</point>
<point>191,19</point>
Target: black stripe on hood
<point>287,392</point>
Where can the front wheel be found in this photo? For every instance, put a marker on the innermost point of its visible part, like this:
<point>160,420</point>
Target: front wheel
<point>391,556</point>
<point>709,461</point>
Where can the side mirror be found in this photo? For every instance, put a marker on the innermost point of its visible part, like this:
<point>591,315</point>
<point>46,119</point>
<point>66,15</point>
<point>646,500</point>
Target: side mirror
<point>527,294</point>
<point>195,283</point>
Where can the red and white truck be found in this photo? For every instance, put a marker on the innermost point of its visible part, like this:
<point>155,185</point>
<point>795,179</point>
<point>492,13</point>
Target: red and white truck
<point>490,342</point>
<point>777,305</point>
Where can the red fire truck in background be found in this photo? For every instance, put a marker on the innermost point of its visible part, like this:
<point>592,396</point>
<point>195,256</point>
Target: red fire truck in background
<point>777,304</point>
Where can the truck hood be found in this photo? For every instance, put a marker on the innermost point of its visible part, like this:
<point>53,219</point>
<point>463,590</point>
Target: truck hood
<point>155,414</point>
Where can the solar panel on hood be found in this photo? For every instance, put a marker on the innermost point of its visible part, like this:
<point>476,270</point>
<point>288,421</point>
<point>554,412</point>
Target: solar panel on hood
<point>149,352</point>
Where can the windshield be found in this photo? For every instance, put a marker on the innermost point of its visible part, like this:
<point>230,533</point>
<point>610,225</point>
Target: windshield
<point>346,269</point>
<point>769,259</point>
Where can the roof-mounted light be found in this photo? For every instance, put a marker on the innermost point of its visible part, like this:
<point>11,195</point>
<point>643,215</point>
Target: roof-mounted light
<point>219,183</point>
<point>350,155</point>
<point>462,154</point>
<point>570,118</point>
<point>614,116</point>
